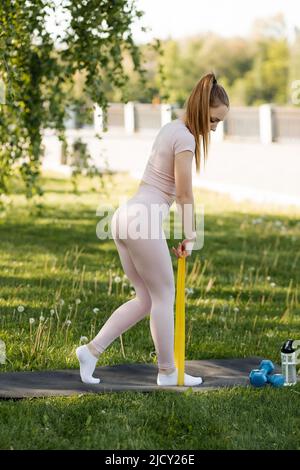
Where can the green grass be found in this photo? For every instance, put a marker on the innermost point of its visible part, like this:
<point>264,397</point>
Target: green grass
<point>244,301</point>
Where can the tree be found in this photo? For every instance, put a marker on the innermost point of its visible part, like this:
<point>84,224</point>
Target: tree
<point>38,72</point>
<point>266,82</point>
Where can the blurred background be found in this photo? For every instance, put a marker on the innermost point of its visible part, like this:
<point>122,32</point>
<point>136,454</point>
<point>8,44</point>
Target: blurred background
<point>254,52</point>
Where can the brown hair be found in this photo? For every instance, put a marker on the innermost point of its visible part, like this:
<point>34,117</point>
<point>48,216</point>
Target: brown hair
<point>207,93</point>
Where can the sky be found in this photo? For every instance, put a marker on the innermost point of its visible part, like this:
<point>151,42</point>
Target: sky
<point>180,18</point>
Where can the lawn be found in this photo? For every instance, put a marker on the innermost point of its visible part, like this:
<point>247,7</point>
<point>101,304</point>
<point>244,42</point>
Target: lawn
<point>59,283</point>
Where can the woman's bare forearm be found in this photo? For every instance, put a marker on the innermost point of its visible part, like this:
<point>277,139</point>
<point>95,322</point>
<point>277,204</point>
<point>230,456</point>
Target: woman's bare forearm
<point>185,208</point>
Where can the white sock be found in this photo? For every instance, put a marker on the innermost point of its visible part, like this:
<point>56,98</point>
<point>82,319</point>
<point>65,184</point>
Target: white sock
<point>171,379</point>
<point>87,363</point>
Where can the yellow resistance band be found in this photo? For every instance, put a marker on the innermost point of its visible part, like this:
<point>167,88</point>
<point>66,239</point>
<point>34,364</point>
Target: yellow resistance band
<point>179,352</point>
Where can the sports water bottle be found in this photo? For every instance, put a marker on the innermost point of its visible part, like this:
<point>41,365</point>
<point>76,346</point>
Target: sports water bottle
<point>289,361</point>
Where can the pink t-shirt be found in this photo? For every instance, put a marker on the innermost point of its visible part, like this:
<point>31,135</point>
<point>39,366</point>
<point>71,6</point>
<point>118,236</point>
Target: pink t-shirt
<point>172,138</point>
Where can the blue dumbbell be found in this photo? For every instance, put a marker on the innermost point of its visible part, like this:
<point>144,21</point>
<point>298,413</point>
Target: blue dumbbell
<point>259,377</point>
<point>277,380</point>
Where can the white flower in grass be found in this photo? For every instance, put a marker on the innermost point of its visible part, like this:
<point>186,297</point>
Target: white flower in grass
<point>83,339</point>
<point>68,322</point>
<point>21,308</point>
<point>273,284</point>
<point>42,318</point>
<point>247,309</point>
<point>62,302</point>
<point>31,321</point>
<point>189,290</point>
<point>125,277</point>
<point>52,312</point>
<point>268,278</point>
<point>252,268</point>
<point>117,279</point>
<point>77,301</point>
<point>132,292</point>
<point>96,310</point>
<point>236,309</point>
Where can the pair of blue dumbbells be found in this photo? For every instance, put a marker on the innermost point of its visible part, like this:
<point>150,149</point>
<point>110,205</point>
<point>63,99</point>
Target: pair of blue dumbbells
<point>263,375</point>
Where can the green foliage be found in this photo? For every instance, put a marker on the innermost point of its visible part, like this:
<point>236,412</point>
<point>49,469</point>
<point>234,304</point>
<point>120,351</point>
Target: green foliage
<point>267,80</point>
<point>294,68</point>
<point>39,72</point>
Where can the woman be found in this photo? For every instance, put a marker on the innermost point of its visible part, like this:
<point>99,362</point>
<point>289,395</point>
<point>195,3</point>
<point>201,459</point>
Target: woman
<point>146,260</point>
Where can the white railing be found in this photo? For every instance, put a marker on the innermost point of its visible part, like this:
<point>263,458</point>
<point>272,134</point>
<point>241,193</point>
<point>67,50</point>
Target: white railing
<point>265,123</point>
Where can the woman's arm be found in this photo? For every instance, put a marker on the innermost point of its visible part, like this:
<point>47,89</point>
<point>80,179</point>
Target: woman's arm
<point>184,194</point>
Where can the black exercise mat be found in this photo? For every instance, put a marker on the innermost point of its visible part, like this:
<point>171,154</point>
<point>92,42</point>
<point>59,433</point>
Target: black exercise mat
<point>216,373</point>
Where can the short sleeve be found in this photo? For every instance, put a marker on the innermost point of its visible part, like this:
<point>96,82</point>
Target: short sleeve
<point>183,141</point>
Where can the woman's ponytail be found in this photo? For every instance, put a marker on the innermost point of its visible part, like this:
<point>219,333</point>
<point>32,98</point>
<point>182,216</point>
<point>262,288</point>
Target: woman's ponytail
<point>207,93</point>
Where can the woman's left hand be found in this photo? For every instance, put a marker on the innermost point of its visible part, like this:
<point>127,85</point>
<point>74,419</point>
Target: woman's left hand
<point>180,251</point>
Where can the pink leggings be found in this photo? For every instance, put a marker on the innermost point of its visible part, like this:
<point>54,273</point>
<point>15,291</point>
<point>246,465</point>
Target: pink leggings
<point>147,263</point>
